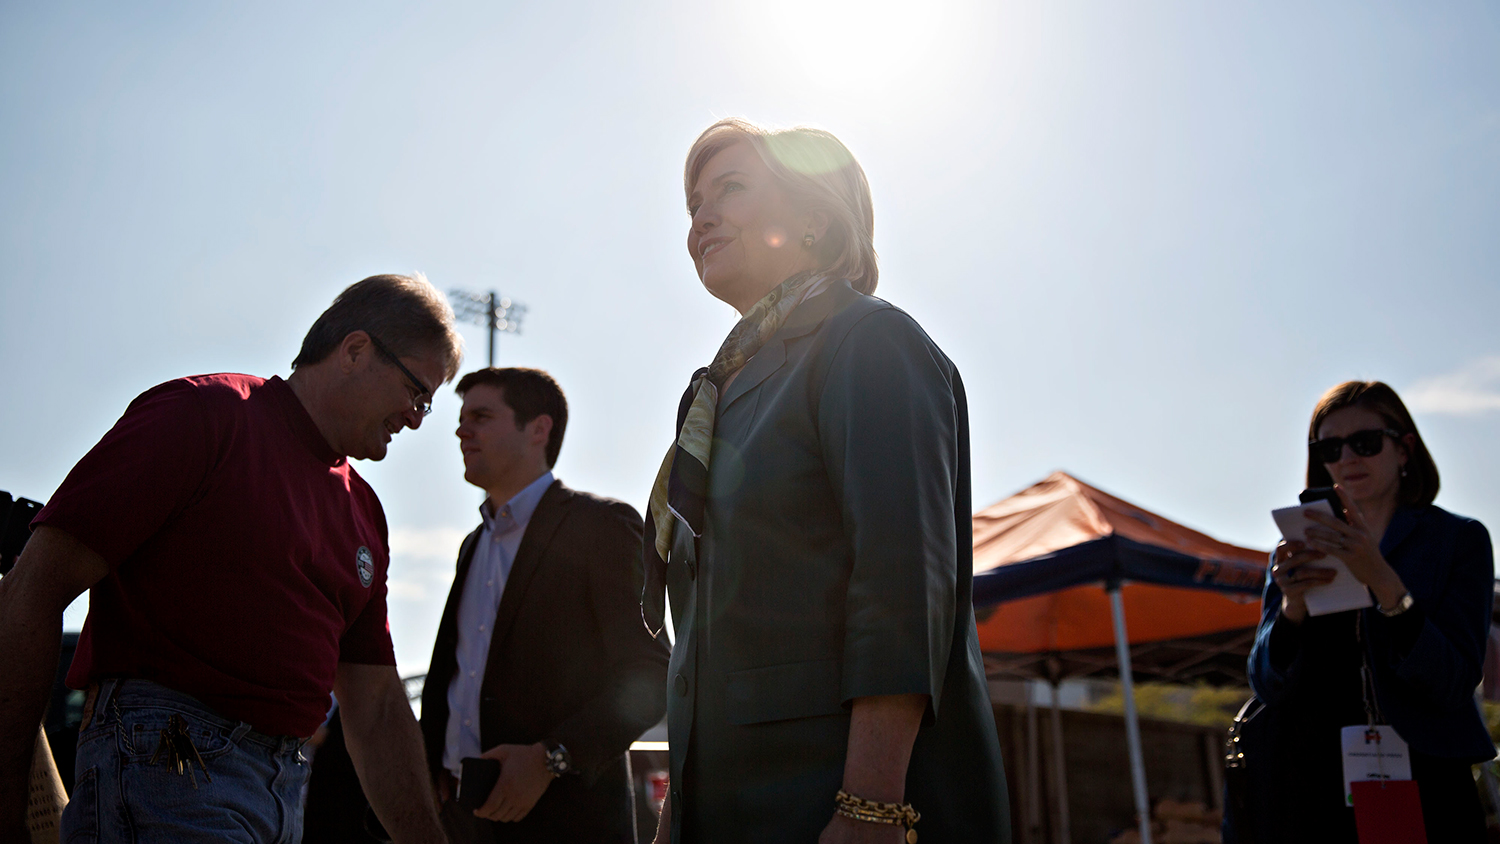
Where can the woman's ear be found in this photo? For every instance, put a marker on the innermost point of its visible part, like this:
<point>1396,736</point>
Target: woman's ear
<point>1407,442</point>
<point>816,224</point>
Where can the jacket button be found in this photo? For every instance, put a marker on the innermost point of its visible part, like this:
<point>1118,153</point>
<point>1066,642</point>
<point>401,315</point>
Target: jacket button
<point>680,684</point>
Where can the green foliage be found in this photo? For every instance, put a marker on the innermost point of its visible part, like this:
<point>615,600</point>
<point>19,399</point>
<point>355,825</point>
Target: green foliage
<point>1200,704</point>
<point>1491,711</point>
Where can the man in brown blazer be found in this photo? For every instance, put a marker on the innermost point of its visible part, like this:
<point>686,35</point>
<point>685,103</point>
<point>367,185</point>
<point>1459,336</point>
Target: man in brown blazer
<point>541,660</point>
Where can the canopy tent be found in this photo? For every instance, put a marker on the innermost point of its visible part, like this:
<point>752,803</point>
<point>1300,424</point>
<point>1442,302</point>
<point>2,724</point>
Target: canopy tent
<point>1040,557</point>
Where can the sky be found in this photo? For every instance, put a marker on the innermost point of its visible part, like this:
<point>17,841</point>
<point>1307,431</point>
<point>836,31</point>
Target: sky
<point>1150,235</point>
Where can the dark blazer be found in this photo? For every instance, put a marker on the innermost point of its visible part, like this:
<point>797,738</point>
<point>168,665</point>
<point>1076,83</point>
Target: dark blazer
<point>1424,676</point>
<point>835,563</point>
<point>1425,665</point>
<point>570,661</point>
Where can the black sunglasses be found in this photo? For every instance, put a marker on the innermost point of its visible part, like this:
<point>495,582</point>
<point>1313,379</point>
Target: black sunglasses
<point>422,401</point>
<point>1366,443</point>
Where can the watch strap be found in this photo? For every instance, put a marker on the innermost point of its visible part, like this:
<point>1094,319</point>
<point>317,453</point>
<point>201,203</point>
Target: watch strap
<point>1401,606</point>
<point>559,761</point>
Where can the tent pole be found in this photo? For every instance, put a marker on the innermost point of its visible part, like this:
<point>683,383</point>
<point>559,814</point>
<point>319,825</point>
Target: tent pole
<point>1033,817</point>
<point>1132,725</point>
<point>1064,833</point>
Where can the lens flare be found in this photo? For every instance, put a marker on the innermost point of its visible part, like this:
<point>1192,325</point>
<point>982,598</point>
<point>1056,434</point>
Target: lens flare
<point>802,155</point>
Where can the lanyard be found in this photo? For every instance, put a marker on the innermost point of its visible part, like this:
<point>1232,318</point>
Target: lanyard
<point>1366,676</point>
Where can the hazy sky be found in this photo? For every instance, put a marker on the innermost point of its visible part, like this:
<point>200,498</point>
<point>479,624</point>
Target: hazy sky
<point>1149,234</point>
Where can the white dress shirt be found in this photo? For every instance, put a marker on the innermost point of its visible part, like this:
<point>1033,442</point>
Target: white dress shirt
<point>477,605</point>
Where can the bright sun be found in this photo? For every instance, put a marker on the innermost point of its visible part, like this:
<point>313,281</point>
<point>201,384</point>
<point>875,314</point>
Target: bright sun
<point>857,45</point>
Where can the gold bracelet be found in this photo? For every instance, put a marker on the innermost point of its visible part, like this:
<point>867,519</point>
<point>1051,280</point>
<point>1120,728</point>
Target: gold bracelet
<point>871,811</point>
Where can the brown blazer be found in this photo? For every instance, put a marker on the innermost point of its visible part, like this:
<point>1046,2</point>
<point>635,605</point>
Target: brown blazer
<point>570,661</point>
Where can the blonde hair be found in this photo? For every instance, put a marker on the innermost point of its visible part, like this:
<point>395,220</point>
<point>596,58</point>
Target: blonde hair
<point>818,173</point>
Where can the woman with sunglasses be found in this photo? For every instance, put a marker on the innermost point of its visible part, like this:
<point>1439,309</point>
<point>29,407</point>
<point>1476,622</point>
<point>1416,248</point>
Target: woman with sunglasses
<point>1430,573</point>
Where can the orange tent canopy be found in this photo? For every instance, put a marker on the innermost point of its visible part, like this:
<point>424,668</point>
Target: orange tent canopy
<point>1041,556</point>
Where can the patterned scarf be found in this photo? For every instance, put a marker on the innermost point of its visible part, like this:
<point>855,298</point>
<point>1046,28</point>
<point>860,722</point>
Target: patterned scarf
<point>681,489</point>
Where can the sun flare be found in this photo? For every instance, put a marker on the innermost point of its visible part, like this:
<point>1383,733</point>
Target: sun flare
<point>844,45</point>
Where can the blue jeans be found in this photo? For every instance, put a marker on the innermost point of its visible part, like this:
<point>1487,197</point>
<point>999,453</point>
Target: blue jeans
<point>119,795</point>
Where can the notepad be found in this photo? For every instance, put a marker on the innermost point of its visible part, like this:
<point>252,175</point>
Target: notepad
<point>1345,592</point>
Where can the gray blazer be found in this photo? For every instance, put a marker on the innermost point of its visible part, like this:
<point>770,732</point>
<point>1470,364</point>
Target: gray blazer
<point>835,563</point>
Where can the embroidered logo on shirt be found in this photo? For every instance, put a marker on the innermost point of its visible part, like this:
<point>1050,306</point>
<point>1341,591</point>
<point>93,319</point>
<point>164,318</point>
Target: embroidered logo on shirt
<point>364,563</point>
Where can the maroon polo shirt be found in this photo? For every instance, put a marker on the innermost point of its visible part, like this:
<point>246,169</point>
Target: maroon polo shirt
<point>246,557</point>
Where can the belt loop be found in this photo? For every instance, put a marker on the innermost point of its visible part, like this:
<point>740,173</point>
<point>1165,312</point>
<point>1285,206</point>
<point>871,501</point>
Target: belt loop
<point>239,732</point>
<point>107,689</point>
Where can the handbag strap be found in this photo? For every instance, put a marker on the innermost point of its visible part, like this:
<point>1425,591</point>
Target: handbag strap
<point>1234,750</point>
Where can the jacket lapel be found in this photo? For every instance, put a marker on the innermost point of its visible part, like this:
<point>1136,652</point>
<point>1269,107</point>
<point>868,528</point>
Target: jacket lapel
<point>1416,576</point>
<point>544,522</point>
<point>444,662</point>
<point>807,316</point>
<point>766,361</point>
<point>448,626</point>
<point>1401,526</point>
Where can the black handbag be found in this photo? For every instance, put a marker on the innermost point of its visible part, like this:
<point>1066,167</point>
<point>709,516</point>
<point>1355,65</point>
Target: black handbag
<point>1242,752</point>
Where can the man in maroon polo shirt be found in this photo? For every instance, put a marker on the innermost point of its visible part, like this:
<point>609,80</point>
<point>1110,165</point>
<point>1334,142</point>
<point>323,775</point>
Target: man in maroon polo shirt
<point>236,564</point>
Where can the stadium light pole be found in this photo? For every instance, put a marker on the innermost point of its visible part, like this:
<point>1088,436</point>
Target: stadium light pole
<point>490,309</point>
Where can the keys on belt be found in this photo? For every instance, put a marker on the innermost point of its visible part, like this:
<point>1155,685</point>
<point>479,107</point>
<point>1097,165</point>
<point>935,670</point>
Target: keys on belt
<point>176,749</point>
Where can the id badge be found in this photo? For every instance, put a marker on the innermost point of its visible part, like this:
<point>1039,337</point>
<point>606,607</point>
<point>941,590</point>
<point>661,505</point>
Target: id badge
<point>1373,753</point>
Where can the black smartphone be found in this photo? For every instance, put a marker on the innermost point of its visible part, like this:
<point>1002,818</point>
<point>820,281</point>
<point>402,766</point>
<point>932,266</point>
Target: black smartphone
<point>1324,493</point>
<point>15,528</point>
<point>477,778</point>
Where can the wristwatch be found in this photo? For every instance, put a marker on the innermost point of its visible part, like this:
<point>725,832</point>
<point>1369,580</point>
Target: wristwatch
<point>1401,606</point>
<point>559,761</point>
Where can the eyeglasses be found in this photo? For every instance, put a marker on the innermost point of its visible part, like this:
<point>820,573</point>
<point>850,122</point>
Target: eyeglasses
<point>1366,443</point>
<point>421,401</point>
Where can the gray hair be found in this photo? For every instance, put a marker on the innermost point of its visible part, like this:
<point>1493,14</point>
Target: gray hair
<point>404,312</point>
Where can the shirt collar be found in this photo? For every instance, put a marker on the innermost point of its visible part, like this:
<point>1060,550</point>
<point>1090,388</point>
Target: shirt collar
<point>520,506</point>
<point>302,423</point>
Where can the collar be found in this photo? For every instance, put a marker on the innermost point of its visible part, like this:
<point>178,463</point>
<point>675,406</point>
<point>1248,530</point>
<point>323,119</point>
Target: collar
<point>302,423</point>
<point>520,507</point>
<point>828,296</point>
<point>816,286</point>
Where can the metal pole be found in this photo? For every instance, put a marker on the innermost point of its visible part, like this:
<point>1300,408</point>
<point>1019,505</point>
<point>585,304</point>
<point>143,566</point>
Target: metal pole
<point>1132,725</point>
<point>1064,833</point>
<point>1033,818</point>
<point>494,304</point>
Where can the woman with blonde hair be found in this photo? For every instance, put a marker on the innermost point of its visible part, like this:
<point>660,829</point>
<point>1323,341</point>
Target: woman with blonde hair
<point>812,524</point>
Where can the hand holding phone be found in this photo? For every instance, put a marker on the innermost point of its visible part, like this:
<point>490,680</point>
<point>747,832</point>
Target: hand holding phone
<point>1325,493</point>
<point>1310,589</point>
<point>477,778</point>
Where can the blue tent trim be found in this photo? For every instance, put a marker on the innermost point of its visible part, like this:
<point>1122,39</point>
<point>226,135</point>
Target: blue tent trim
<point>1114,558</point>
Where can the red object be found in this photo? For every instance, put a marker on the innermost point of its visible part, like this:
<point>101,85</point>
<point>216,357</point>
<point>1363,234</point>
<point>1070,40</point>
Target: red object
<point>1062,512</point>
<point>659,784</point>
<point>1388,812</point>
<point>233,534</point>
